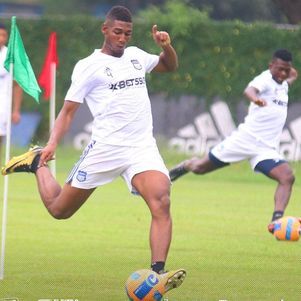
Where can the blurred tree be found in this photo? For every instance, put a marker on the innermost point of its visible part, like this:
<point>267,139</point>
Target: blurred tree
<point>248,11</point>
<point>68,7</point>
<point>291,9</point>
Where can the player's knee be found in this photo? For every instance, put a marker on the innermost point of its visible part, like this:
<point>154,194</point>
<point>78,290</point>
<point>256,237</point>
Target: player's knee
<point>198,170</point>
<point>287,178</point>
<point>59,213</point>
<point>291,179</point>
<point>160,206</point>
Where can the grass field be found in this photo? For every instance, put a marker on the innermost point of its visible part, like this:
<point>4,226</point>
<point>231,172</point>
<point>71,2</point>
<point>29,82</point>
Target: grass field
<point>219,237</point>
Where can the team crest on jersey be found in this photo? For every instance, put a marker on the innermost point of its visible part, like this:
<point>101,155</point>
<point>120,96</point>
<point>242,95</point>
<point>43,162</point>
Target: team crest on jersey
<point>81,176</point>
<point>136,64</point>
<point>108,72</point>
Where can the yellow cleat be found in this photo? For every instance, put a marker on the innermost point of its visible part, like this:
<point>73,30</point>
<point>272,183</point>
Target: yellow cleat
<point>172,279</point>
<point>27,162</point>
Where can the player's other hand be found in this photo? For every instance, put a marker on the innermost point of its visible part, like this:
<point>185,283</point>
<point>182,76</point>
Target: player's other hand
<point>260,102</point>
<point>162,38</point>
<point>47,154</point>
<point>16,117</point>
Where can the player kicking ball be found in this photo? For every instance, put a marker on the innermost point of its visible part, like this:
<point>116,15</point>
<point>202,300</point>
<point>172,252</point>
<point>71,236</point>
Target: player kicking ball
<point>112,82</point>
<point>257,138</point>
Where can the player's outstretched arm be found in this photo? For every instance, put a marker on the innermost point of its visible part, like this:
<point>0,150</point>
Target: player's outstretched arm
<point>61,126</point>
<point>168,57</point>
<point>251,94</point>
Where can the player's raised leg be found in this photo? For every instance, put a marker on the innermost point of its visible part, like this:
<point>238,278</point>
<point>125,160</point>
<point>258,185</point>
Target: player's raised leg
<point>61,203</point>
<point>196,165</point>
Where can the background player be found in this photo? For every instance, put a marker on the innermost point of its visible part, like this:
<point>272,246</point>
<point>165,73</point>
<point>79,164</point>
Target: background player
<point>257,139</point>
<point>4,92</point>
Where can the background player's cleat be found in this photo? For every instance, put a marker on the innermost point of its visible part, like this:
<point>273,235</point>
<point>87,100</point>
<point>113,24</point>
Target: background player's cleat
<point>271,227</point>
<point>172,279</point>
<point>28,162</point>
<point>177,171</point>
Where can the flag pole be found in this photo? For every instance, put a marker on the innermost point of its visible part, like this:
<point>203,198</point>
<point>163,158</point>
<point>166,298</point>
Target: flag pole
<point>5,190</point>
<point>19,68</point>
<point>52,110</point>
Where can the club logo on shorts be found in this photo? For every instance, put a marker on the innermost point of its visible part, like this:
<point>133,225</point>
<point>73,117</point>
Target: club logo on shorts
<point>81,176</point>
<point>136,64</point>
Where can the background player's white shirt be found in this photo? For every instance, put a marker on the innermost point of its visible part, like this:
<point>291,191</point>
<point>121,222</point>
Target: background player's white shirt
<point>4,83</point>
<point>266,123</point>
<point>116,93</point>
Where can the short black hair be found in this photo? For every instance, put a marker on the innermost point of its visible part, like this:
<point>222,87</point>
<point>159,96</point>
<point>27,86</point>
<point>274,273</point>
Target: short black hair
<point>120,13</point>
<point>2,26</point>
<point>283,54</point>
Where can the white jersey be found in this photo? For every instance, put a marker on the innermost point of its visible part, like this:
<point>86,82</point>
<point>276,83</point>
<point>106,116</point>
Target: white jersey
<point>266,123</point>
<point>116,93</point>
<point>4,83</point>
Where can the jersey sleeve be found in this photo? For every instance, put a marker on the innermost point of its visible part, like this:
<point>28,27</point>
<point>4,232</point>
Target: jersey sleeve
<point>259,83</point>
<point>150,60</point>
<point>80,86</point>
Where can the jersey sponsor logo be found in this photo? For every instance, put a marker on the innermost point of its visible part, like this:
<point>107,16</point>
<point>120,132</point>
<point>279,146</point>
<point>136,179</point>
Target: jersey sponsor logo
<point>136,64</point>
<point>280,102</point>
<point>138,81</point>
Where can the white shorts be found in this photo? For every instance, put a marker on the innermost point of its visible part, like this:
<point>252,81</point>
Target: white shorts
<point>243,146</point>
<point>101,164</point>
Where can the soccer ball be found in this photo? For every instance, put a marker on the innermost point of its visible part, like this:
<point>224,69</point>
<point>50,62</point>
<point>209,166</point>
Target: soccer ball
<point>144,285</point>
<point>287,228</point>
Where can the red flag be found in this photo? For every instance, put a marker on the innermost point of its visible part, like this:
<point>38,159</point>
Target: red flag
<point>45,78</point>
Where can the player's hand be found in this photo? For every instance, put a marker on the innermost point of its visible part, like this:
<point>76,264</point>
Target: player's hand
<point>47,154</point>
<point>15,117</point>
<point>160,37</point>
<point>260,102</point>
<point>293,75</point>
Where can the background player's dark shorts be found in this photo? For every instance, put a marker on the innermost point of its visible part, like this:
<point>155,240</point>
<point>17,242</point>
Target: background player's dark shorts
<point>266,166</point>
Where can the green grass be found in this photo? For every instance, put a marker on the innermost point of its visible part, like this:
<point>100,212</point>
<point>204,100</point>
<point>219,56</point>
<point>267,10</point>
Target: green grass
<point>219,237</point>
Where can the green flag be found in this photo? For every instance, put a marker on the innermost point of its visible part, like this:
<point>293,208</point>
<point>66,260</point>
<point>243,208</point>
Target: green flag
<point>22,70</point>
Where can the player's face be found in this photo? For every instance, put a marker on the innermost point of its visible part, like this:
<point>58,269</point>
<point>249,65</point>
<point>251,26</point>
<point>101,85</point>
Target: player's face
<point>117,34</point>
<point>280,70</point>
<point>3,37</point>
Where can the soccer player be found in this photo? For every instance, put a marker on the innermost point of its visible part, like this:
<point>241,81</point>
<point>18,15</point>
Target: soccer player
<point>112,81</point>
<point>257,138</point>
<point>4,90</point>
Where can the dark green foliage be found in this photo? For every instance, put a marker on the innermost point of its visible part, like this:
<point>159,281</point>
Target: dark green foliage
<point>216,58</point>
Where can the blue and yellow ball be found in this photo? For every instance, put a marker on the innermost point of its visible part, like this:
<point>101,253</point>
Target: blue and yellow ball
<point>144,285</point>
<point>287,228</point>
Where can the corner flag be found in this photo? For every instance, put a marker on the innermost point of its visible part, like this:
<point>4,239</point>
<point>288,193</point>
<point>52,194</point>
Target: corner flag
<point>46,79</point>
<point>22,70</point>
